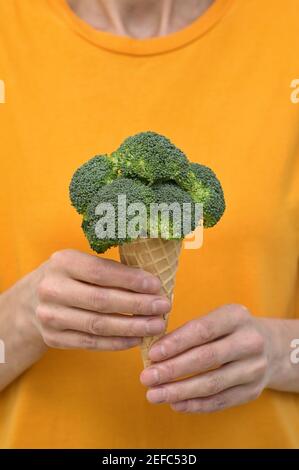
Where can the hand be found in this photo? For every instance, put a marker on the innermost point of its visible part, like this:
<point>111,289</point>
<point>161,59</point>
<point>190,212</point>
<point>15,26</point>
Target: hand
<point>78,295</point>
<point>70,302</point>
<point>226,357</point>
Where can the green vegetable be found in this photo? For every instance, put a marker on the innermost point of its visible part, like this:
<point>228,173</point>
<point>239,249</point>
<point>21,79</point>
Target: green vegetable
<point>175,215</point>
<point>89,178</point>
<point>147,187</point>
<point>97,244</point>
<point>151,157</point>
<point>204,188</point>
<point>109,207</point>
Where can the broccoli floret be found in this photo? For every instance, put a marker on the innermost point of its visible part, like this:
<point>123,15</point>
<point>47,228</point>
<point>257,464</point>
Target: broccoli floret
<point>110,217</point>
<point>89,178</point>
<point>147,188</point>
<point>97,244</point>
<point>175,213</point>
<point>204,188</point>
<point>151,157</point>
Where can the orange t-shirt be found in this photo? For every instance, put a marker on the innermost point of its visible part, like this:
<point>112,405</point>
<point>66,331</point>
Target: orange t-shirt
<point>221,90</point>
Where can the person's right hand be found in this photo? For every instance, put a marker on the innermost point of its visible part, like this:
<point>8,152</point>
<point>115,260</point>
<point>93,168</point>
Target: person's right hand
<point>83,301</point>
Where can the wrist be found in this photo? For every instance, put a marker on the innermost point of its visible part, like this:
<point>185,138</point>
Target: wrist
<point>274,349</point>
<point>278,334</point>
<point>27,333</point>
<point>20,305</point>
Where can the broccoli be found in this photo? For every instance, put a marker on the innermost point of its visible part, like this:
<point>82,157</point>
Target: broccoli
<point>88,178</point>
<point>146,188</point>
<point>204,188</point>
<point>151,157</point>
<point>99,245</point>
<point>175,214</point>
<point>109,208</point>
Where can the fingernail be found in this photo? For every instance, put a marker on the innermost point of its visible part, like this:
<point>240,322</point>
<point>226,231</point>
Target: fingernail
<point>151,284</point>
<point>156,396</point>
<point>160,306</point>
<point>155,326</point>
<point>182,406</point>
<point>157,352</point>
<point>150,376</point>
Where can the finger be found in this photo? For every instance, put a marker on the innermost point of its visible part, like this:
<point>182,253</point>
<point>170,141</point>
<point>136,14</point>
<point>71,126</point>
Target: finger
<point>77,340</point>
<point>218,323</point>
<point>211,383</point>
<point>232,397</point>
<point>200,359</point>
<point>104,272</point>
<point>99,299</point>
<point>66,318</point>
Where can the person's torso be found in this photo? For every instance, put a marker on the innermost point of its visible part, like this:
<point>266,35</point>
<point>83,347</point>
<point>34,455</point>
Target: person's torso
<point>221,90</point>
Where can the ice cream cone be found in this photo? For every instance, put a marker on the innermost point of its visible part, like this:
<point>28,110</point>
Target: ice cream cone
<point>159,257</point>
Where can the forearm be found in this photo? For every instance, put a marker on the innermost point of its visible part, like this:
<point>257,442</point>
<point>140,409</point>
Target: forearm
<point>284,375</point>
<point>22,342</point>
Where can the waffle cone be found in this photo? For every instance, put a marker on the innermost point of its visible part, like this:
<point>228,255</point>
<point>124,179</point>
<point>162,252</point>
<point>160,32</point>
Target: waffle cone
<point>159,257</point>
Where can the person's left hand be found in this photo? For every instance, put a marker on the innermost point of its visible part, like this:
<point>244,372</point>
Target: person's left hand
<point>211,363</point>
